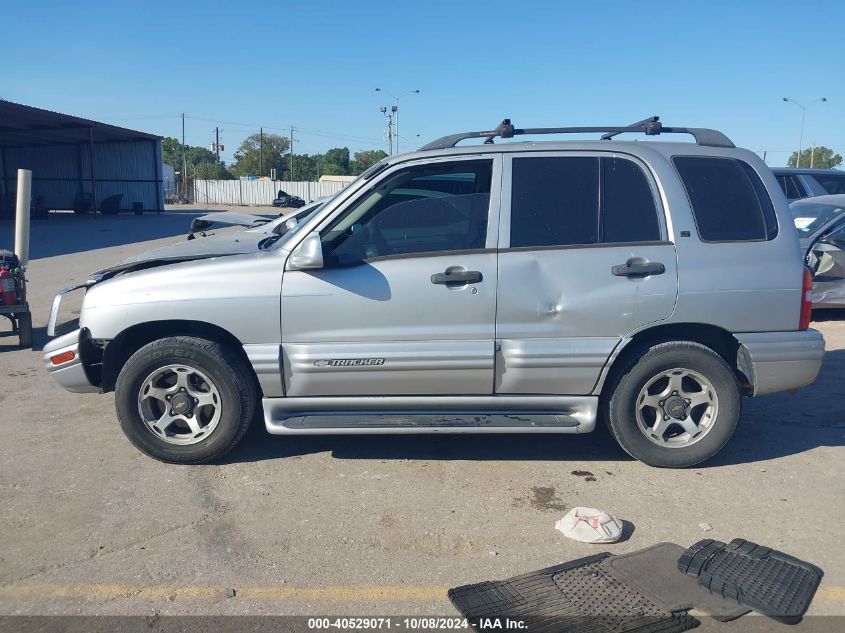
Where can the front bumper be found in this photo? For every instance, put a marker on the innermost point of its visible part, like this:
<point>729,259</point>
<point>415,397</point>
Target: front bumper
<point>782,361</point>
<point>70,374</point>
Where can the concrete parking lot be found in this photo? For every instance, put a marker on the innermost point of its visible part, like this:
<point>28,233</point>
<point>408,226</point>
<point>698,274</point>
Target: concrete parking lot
<point>361,525</point>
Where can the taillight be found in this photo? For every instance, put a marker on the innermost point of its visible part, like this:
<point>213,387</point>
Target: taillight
<point>806,299</point>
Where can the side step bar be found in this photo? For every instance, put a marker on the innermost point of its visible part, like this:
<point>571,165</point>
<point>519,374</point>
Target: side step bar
<point>430,414</point>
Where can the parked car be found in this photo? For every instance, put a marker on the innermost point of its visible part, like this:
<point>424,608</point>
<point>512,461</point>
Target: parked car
<point>286,200</point>
<point>816,216</point>
<point>798,183</point>
<point>522,287</point>
<point>821,228</point>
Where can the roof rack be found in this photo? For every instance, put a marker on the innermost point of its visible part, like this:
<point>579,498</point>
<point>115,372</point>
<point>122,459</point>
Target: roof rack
<point>650,127</point>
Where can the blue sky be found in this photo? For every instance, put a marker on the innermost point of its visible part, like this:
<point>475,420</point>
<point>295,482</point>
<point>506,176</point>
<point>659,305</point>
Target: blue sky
<point>315,65</point>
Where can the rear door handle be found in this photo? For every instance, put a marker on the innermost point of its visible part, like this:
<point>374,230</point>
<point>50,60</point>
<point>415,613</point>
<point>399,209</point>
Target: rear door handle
<point>638,267</point>
<point>457,277</point>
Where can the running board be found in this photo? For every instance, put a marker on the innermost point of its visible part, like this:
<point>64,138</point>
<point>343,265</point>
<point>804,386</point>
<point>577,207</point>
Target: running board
<point>430,414</point>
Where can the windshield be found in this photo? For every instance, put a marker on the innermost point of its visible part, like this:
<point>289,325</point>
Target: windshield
<point>809,217</point>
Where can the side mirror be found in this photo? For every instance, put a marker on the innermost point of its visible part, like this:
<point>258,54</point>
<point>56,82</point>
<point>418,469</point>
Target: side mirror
<point>290,223</point>
<point>308,255</point>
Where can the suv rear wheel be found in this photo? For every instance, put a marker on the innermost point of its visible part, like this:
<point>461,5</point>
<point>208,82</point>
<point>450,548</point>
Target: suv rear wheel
<point>185,400</point>
<point>674,406</point>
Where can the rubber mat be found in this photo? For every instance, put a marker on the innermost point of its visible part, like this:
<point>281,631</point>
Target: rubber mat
<point>576,597</point>
<point>771,582</point>
<point>653,572</point>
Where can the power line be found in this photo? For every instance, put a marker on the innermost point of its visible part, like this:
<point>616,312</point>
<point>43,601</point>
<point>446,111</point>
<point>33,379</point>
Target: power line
<point>286,128</point>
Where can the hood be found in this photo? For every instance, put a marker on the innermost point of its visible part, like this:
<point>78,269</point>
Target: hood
<point>142,263</point>
<point>209,246</point>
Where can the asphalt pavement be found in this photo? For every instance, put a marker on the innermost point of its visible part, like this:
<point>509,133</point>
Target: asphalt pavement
<point>361,525</point>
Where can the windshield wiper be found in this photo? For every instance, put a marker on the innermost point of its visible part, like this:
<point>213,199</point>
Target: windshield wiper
<point>268,241</point>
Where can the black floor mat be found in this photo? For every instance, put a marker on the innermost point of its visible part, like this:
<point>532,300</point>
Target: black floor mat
<point>771,582</point>
<point>653,572</point>
<point>576,597</point>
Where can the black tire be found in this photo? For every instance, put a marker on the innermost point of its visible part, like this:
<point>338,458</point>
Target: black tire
<point>229,373</point>
<point>25,329</point>
<point>620,403</point>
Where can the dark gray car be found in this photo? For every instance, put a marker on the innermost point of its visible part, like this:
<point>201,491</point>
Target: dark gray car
<point>798,183</point>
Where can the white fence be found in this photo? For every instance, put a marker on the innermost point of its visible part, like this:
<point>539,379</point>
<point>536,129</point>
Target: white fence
<point>258,192</point>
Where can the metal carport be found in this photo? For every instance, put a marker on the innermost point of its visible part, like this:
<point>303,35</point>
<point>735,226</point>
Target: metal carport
<point>69,154</point>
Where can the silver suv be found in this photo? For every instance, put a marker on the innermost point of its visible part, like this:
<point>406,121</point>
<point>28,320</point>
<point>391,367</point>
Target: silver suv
<point>522,287</point>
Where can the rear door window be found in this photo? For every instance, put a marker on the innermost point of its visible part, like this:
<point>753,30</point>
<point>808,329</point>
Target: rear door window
<point>628,210</point>
<point>580,200</point>
<point>729,201</point>
<point>555,201</point>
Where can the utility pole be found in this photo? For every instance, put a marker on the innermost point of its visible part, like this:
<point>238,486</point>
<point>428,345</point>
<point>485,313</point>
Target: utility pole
<point>389,117</point>
<point>184,192</point>
<point>217,142</point>
<point>812,155</point>
<point>261,153</point>
<point>291,153</point>
<point>395,111</point>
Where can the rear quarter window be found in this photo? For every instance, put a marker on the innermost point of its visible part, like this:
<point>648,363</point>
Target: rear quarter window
<point>729,201</point>
<point>832,183</point>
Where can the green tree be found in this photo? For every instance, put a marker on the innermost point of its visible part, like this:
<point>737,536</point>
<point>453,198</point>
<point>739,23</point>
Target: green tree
<point>365,159</point>
<point>305,167</point>
<point>250,158</point>
<point>202,162</point>
<point>171,152</point>
<point>210,171</point>
<point>335,162</point>
<point>821,157</point>
<point>199,155</point>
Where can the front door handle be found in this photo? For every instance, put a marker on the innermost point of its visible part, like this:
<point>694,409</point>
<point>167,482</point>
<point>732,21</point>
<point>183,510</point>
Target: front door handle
<point>638,267</point>
<point>457,277</point>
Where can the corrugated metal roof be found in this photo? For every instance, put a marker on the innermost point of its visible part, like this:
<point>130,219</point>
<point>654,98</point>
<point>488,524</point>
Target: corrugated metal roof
<point>26,126</point>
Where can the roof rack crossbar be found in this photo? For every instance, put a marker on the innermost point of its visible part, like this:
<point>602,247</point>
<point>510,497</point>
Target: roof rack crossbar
<point>650,127</point>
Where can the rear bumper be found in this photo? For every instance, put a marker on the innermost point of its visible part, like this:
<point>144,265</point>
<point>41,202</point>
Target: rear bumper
<point>782,361</point>
<point>71,374</point>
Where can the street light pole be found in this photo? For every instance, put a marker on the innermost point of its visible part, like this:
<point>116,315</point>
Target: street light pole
<point>803,118</point>
<point>396,109</point>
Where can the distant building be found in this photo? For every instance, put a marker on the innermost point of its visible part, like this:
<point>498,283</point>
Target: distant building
<point>72,158</point>
<point>344,179</point>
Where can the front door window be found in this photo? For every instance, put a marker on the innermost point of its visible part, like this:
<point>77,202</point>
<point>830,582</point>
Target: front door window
<point>436,208</point>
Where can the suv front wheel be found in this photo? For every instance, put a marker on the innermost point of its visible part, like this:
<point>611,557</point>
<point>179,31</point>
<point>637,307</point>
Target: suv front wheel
<point>185,400</point>
<point>674,406</point>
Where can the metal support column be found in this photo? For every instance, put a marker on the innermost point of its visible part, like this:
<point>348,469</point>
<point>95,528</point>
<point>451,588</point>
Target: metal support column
<point>159,198</point>
<point>93,170</point>
<point>3,186</point>
<point>79,177</point>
